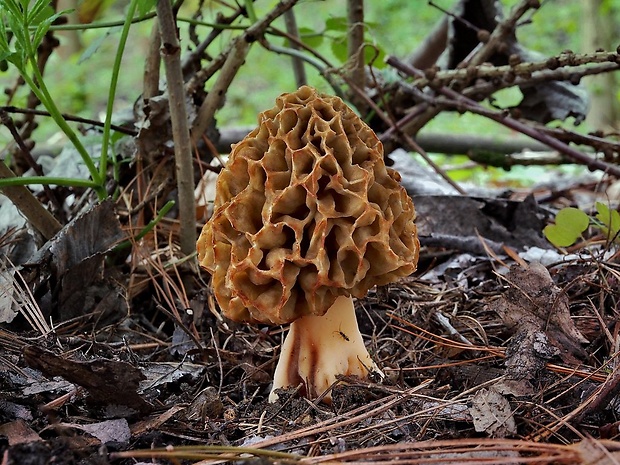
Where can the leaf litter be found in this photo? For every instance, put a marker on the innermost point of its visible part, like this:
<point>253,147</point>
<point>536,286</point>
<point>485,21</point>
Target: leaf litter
<point>483,361</point>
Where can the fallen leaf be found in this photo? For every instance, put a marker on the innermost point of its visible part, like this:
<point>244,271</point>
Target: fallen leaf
<point>18,432</point>
<point>108,382</point>
<point>538,314</point>
<point>492,414</point>
<point>461,221</point>
<point>106,431</point>
<point>7,296</point>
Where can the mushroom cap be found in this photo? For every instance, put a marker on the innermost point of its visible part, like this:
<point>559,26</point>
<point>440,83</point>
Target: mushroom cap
<point>305,211</point>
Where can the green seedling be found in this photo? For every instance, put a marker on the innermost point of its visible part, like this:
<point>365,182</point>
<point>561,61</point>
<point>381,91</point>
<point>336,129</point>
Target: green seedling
<point>23,25</point>
<point>609,222</point>
<point>570,224</point>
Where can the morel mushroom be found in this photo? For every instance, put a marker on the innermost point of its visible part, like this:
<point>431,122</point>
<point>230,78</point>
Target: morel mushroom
<point>306,216</point>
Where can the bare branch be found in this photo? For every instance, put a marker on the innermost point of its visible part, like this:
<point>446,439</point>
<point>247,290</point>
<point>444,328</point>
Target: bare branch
<point>462,102</point>
<point>41,219</point>
<point>206,112</point>
<point>355,47</point>
<point>171,53</point>
<point>250,35</point>
<point>501,31</point>
<point>151,64</point>
<point>298,63</point>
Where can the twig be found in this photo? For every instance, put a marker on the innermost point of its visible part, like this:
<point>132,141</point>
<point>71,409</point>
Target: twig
<point>41,219</point>
<point>298,64</point>
<point>150,81</point>
<point>300,45</point>
<point>193,58</point>
<point>234,60</point>
<point>77,119</point>
<point>601,397</point>
<point>430,142</point>
<point>464,103</point>
<point>355,49</point>
<point>572,74</point>
<point>250,35</point>
<point>601,144</point>
<point>235,57</point>
<point>412,124</point>
<point>408,140</point>
<point>171,52</point>
<point>563,60</point>
<point>449,14</point>
<point>324,70</point>
<point>10,125</point>
<point>501,31</point>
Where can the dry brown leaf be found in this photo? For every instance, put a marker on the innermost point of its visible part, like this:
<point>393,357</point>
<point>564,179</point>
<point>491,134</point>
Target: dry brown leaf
<point>537,311</point>
<point>18,432</point>
<point>492,414</point>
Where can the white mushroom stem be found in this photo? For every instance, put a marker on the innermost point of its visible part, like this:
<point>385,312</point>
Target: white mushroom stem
<point>317,349</point>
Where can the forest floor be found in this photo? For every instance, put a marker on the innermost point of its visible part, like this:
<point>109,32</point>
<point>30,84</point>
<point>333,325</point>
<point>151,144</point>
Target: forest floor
<point>489,356</point>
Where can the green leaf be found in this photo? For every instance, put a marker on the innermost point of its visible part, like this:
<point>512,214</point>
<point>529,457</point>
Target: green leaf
<point>11,57</point>
<point>39,12</point>
<point>570,223</point>
<point>145,7</point>
<point>339,49</point>
<point>610,220</point>
<point>375,55</point>
<point>337,23</point>
<point>20,33</point>
<point>310,37</point>
<point>94,46</point>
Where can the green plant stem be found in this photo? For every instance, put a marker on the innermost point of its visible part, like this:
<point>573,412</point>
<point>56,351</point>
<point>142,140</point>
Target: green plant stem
<point>111,24</point>
<point>103,164</point>
<point>249,8</point>
<point>100,25</point>
<point>38,86</point>
<point>44,96</point>
<point>149,227</point>
<point>47,180</point>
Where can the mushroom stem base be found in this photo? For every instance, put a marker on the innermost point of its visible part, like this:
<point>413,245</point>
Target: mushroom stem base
<point>317,349</point>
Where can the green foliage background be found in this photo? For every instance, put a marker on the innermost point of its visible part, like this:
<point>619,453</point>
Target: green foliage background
<point>80,83</point>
